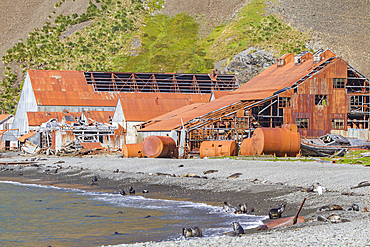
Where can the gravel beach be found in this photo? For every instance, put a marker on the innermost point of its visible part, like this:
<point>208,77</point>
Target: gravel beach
<point>263,184</point>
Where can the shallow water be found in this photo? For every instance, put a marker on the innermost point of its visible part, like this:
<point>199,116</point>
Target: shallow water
<point>33,215</point>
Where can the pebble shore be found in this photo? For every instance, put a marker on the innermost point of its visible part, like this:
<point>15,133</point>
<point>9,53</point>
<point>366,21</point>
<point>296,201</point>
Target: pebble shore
<point>255,177</point>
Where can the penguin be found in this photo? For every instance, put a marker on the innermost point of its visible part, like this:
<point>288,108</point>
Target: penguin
<point>192,232</point>
<point>132,191</point>
<point>319,189</point>
<point>122,192</point>
<point>354,207</point>
<point>228,208</point>
<point>238,229</point>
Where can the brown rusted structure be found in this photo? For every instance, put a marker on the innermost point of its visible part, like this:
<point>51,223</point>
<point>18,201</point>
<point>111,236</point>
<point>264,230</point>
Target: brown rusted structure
<point>285,141</point>
<point>320,93</point>
<point>246,147</point>
<point>218,148</point>
<point>132,150</point>
<point>159,147</point>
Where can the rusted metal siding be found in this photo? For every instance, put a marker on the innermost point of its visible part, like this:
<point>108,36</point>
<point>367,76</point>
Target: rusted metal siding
<point>319,115</point>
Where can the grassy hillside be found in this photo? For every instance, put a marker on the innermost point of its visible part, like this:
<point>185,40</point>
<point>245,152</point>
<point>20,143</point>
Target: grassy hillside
<point>130,35</point>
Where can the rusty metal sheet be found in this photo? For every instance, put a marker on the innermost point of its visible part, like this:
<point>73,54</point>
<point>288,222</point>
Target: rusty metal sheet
<point>26,136</point>
<point>92,145</point>
<point>70,88</point>
<point>143,109</point>
<point>159,147</point>
<point>179,117</point>
<point>37,118</point>
<point>99,116</point>
<point>4,116</point>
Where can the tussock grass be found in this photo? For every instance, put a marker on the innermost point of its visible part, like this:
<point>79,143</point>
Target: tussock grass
<point>132,35</point>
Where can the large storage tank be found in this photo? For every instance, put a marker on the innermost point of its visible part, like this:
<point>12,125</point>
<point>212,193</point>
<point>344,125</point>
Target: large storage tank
<point>284,141</point>
<point>132,150</point>
<point>159,147</point>
<point>246,147</point>
<point>218,148</point>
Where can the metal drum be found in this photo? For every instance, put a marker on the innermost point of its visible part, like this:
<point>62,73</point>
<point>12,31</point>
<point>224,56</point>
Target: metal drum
<point>160,147</point>
<point>132,150</point>
<point>246,147</point>
<point>285,141</point>
<point>218,148</point>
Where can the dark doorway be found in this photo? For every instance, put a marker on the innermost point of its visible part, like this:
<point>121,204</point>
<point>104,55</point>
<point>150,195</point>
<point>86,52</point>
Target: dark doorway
<point>7,145</point>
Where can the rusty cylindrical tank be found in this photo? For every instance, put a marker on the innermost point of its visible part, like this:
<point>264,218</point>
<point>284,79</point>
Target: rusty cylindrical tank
<point>132,150</point>
<point>246,147</point>
<point>285,141</point>
<point>160,147</point>
<point>218,148</point>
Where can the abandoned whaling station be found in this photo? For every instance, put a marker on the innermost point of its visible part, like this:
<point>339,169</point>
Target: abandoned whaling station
<point>308,104</point>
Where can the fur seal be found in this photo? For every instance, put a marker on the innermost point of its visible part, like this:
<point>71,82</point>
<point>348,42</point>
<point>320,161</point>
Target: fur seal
<point>335,207</point>
<point>362,184</point>
<point>235,175</point>
<point>330,208</point>
<point>238,229</point>
<point>334,218</point>
<point>277,212</point>
<point>192,232</point>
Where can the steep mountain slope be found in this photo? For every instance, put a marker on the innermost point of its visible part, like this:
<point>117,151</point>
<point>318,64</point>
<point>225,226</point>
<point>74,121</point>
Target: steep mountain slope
<point>20,17</point>
<point>153,36</point>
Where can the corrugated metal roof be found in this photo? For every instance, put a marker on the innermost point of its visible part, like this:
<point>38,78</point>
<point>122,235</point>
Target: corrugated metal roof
<point>69,88</point>
<point>37,118</point>
<point>4,116</point>
<point>187,114</point>
<point>260,87</point>
<point>99,116</point>
<point>26,136</point>
<point>92,145</point>
<point>143,109</point>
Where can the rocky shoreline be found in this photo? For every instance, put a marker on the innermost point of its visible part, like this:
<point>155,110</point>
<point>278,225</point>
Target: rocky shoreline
<point>262,184</point>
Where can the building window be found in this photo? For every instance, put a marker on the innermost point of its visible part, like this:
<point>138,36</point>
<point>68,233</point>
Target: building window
<point>337,124</point>
<point>302,123</point>
<point>321,100</point>
<point>284,101</point>
<point>356,100</point>
<point>339,82</point>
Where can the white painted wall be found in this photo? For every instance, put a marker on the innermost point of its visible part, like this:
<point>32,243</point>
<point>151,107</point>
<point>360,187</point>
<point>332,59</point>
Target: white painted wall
<point>27,103</point>
<point>131,133</point>
<point>144,134</point>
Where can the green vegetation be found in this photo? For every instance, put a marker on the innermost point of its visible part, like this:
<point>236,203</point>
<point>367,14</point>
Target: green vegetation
<point>125,35</point>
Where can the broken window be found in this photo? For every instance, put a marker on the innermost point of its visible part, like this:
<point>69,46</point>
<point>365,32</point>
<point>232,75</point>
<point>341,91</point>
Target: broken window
<point>356,100</point>
<point>69,118</point>
<point>339,82</point>
<point>321,100</point>
<point>337,124</point>
<point>302,123</point>
<point>284,101</point>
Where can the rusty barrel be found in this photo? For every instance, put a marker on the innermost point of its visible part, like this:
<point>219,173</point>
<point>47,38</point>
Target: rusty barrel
<point>246,147</point>
<point>285,141</point>
<point>159,147</point>
<point>218,148</point>
<point>132,150</point>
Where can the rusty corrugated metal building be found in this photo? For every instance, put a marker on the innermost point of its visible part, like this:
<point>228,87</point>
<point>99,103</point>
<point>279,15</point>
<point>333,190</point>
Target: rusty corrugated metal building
<point>78,91</point>
<point>320,92</point>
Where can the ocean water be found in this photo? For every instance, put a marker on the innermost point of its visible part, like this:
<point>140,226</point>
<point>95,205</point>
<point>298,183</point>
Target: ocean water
<point>34,215</point>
